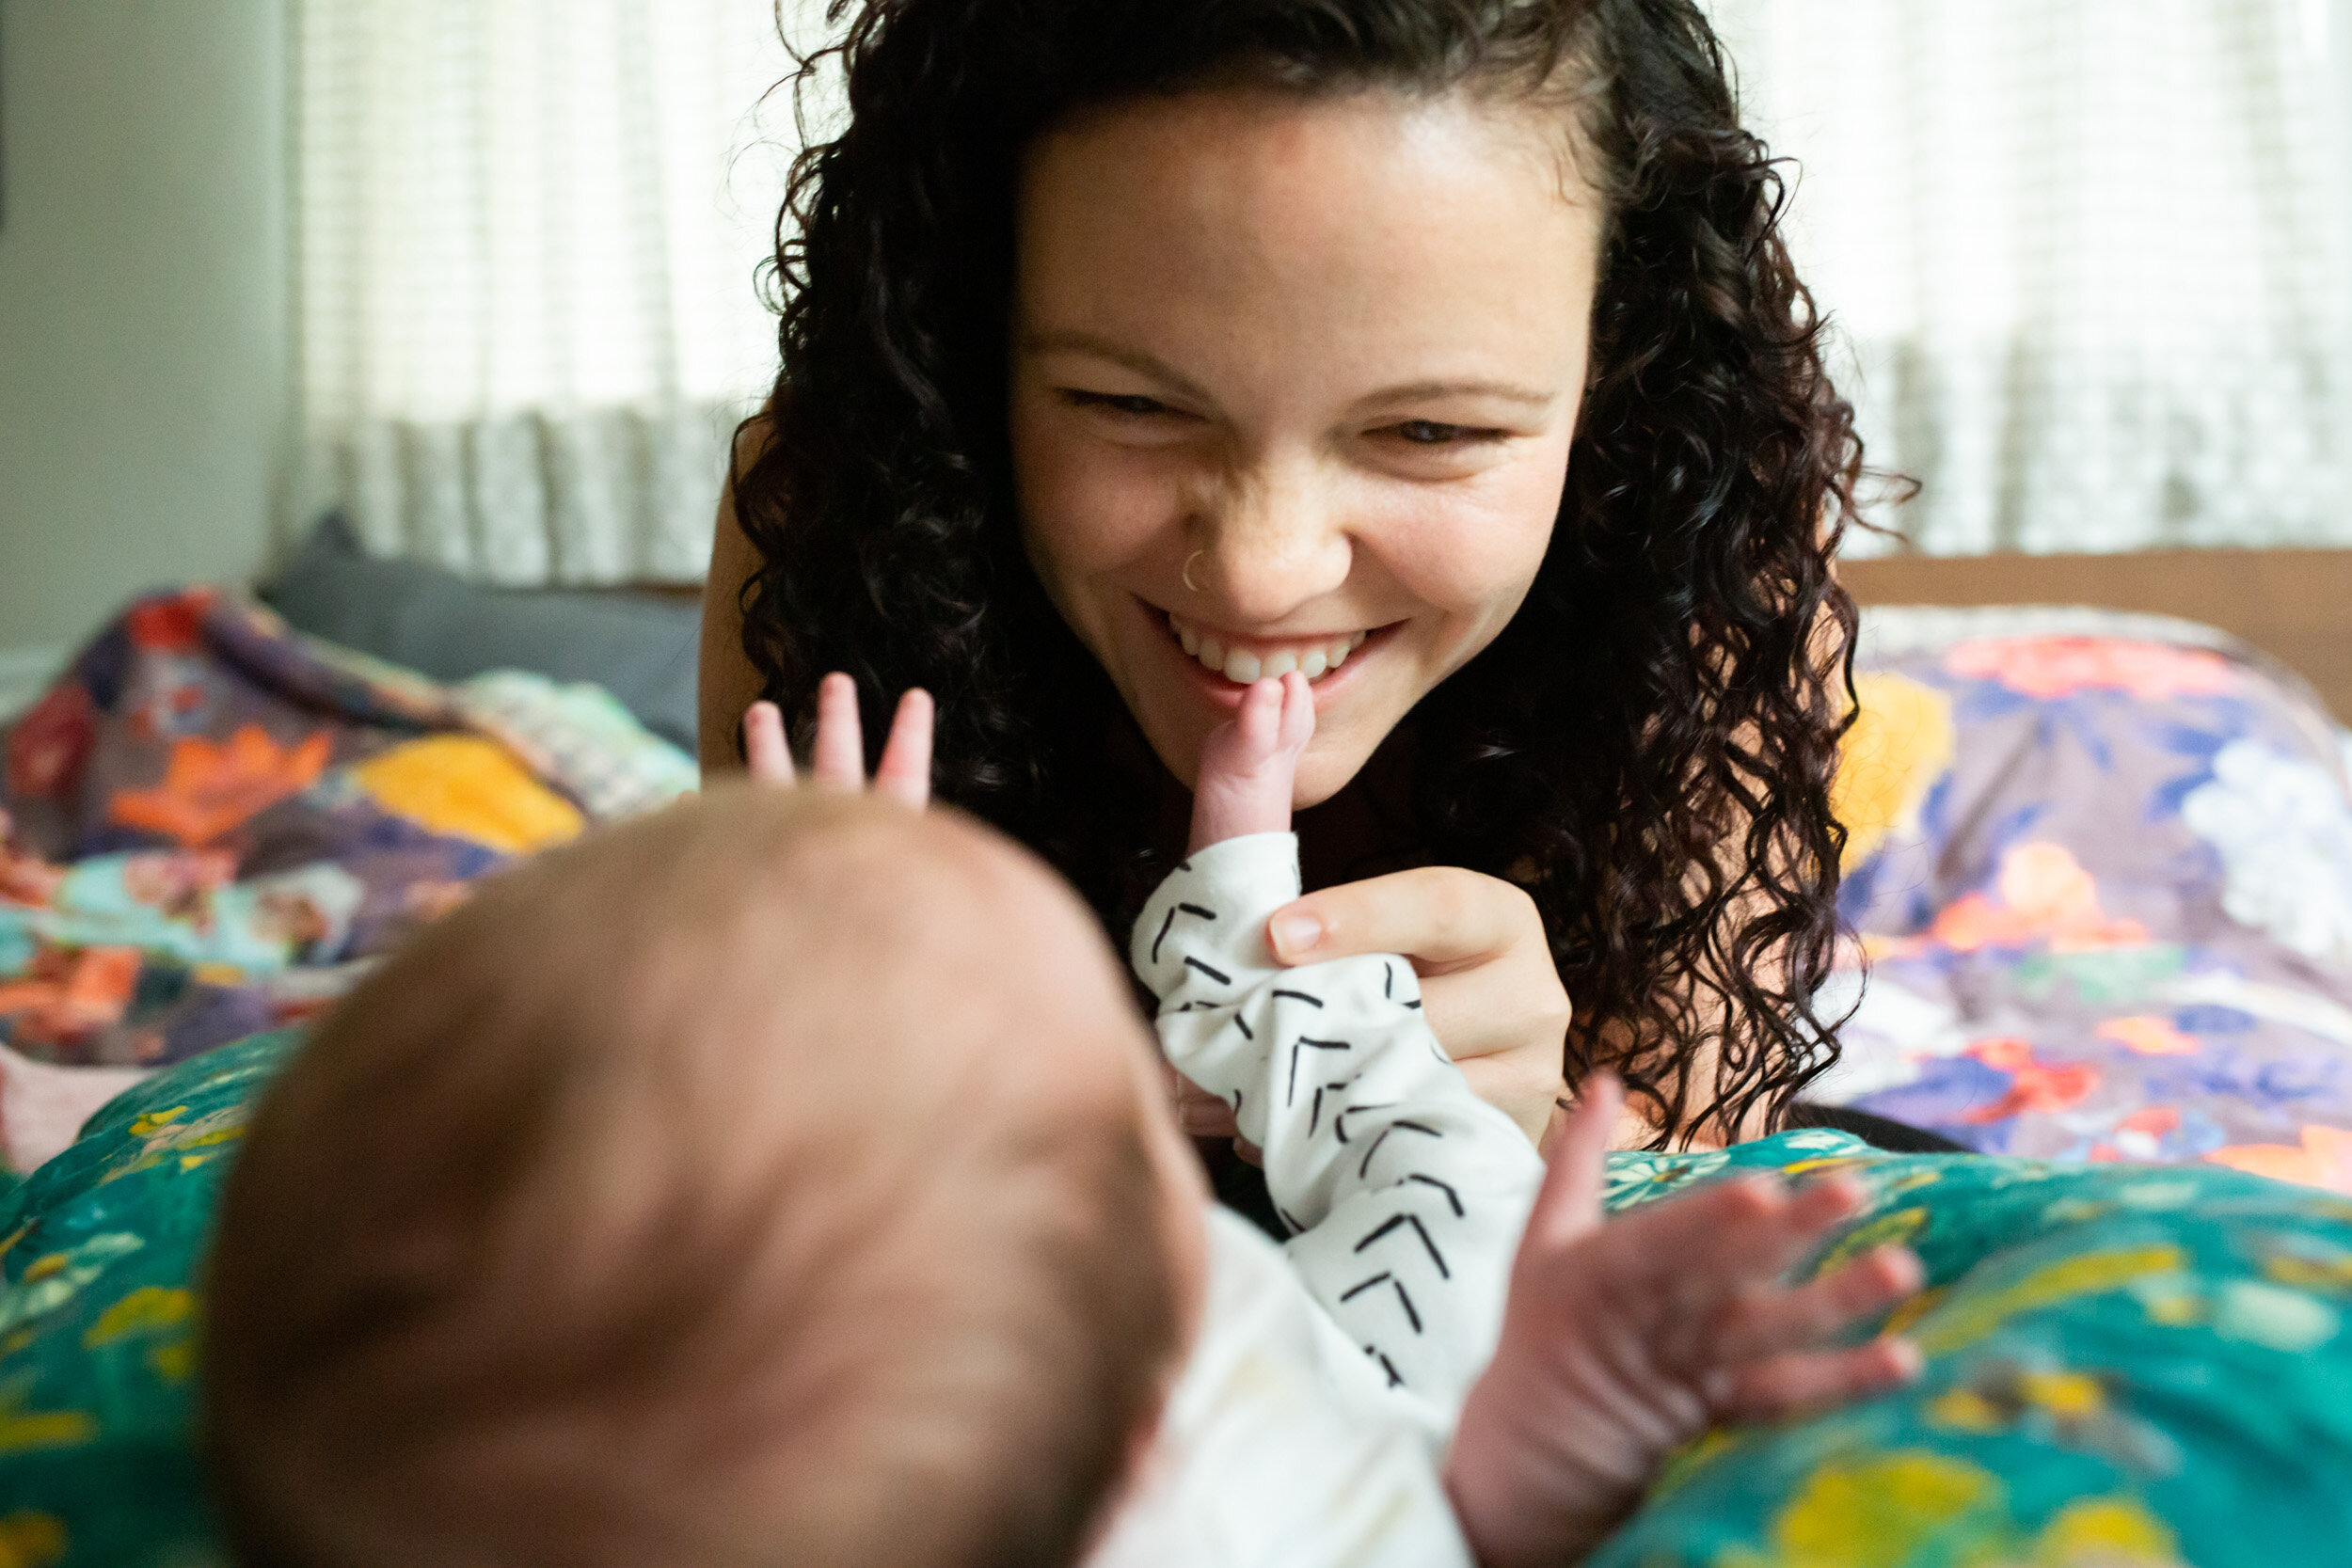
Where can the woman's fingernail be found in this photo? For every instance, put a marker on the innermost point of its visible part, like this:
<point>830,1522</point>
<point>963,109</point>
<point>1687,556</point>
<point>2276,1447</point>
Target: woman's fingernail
<point>1295,932</point>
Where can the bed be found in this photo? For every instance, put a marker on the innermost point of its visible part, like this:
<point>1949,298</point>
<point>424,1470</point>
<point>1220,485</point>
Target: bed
<point>2101,872</point>
<point>213,821</point>
<point>2080,940</point>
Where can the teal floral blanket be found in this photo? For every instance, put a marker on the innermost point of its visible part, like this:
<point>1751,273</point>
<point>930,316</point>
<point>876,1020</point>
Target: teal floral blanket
<point>2127,1367</point>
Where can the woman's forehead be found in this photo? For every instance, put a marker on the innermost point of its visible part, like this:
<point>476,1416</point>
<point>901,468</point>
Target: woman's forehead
<point>1439,230</point>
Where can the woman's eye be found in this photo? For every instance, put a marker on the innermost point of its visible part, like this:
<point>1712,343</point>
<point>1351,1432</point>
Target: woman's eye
<point>1436,434</point>
<point>1117,402</point>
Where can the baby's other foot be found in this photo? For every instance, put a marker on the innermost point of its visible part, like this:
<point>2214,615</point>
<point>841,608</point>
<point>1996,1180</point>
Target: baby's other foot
<point>1247,766</point>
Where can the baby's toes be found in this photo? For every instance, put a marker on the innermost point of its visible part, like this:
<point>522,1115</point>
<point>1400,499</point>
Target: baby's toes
<point>1297,725</point>
<point>1259,724</point>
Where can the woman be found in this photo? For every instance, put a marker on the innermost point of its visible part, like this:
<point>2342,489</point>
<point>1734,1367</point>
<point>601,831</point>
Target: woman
<point>1443,349</point>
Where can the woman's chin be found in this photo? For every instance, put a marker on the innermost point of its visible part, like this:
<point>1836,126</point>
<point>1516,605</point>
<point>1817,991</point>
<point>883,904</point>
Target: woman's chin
<point>1323,774</point>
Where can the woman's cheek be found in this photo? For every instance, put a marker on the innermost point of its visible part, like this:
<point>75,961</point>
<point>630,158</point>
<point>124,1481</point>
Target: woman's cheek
<point>1476,558</point>
<point>1524,502</point>
<point>1086,510</point>
<point>1078,529</point>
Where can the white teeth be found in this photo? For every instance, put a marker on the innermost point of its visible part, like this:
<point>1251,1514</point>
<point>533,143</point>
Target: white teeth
<point>1243,666</point>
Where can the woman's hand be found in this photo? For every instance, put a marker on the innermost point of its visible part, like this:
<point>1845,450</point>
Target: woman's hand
<point>839,759</point>
<point>1488,985</point>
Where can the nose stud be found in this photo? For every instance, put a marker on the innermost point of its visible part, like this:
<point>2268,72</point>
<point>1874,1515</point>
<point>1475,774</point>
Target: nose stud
<point>1187,574</point>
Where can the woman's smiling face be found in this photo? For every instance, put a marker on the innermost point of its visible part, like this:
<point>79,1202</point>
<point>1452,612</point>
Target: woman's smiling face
<point>1329,352</point>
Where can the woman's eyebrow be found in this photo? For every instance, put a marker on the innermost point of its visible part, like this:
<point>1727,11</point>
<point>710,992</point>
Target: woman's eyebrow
<point>1415,391</point>
<point>1117,354</point>
<point>1076,341</point>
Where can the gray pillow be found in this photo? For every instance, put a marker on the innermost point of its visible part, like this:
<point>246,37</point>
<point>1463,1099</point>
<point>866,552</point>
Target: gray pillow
<point>641,647</point>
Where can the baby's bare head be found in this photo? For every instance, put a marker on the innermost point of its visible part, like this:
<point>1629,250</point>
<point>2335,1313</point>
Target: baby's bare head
<point>774,1180</point>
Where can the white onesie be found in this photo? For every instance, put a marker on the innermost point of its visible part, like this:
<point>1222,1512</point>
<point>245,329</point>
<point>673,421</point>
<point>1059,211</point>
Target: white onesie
<point>1308,1424</point>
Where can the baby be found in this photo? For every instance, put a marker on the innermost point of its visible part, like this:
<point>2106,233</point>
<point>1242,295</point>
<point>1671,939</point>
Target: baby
<point>1406,1197</point>
<point>786,1178</point>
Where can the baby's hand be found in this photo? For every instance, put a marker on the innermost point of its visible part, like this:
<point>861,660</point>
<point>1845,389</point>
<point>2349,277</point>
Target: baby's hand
<point>1247,765</point>
<point>1625,1339</point>
<point>839,759</point>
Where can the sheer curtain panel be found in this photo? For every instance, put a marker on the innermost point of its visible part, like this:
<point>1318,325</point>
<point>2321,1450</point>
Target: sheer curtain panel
<point>527,237</point>
<point>2090,263</point>
<point>2088,258</point>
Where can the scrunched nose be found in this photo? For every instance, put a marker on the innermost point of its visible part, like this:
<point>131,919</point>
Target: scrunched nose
<point>1276,539</point>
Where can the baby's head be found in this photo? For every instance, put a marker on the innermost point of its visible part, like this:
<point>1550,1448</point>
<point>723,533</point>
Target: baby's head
<point>778,1180</point>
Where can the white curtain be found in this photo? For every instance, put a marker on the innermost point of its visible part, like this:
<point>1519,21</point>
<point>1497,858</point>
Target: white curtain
<point>2089,258</point>
<point>2090,261</point>
<point>527,237</point>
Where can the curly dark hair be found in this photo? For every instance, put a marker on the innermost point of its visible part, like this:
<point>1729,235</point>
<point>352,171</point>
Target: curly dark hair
<point>1647,747</point>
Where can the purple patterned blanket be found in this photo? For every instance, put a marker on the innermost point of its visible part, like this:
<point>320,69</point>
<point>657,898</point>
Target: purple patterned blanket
<point>209,823</point>
<point>2102,870</point>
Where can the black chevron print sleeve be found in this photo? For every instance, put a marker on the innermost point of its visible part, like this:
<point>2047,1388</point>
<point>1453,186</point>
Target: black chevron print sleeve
<point>1405,1192</point>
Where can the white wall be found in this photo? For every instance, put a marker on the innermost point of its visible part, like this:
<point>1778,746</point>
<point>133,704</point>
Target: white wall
<point>143,365</point>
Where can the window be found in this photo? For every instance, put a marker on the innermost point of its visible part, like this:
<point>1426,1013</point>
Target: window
<point>2089,259</point>
<point>529,320</point>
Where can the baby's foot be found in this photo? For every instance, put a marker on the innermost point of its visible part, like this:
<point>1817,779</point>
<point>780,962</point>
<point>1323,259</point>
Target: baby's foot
<point>1247,766</point>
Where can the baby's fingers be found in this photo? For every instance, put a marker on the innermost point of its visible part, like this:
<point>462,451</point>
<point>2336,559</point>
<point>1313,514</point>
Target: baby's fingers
<point>1695,1252</point>
<point>1796,1385</point>
<point>839,762</point>
<point>1567,1207</point>
<point>1767,1226</point>
<point>766,756</point>
<point>1777,1322</point>
<point>905,773</point>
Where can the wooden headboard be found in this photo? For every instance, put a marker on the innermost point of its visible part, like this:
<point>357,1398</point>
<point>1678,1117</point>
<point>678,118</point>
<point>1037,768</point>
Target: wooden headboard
<point>2293,605</point>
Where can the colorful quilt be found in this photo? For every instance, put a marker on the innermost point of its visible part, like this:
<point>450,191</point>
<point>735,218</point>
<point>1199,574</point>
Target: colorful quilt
<point>2103,874</point>
<point>2126,1368</point>
<point>2102,870</point>
<point>100,1250</point>
<point>210,824</point>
